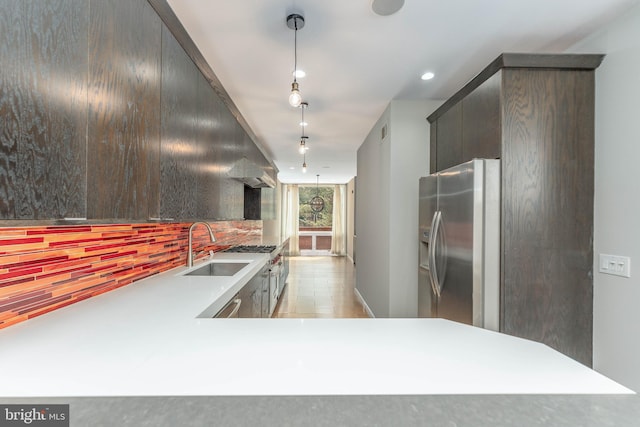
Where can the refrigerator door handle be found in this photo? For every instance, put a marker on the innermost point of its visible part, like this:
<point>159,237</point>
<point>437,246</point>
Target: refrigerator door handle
<point>438,279</point>
<point>435,226</point>
<point>430,254</point>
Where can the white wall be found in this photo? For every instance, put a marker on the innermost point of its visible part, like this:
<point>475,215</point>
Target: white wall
<point>616,320</point>
<point>372,219</point>
<point>387,208</point>
<point>351,187</point>
<point>409,162</point>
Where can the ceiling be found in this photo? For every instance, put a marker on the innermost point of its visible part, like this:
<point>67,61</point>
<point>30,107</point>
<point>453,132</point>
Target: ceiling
<point>357,61</point>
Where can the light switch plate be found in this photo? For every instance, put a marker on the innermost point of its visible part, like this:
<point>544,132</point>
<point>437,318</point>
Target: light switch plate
<point>616,265</point>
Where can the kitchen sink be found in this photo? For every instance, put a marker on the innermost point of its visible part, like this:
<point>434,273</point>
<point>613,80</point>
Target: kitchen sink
<point>218,269</point>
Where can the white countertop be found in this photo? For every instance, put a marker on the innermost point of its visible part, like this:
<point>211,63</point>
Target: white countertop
<point>147,339</point>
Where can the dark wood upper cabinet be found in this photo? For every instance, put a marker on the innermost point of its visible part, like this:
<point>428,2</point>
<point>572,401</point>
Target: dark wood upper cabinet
<point>209,148</point>
<point>110,112</point>
<point>449,138</point>
<point>43,105</point>
<point>124,110</point>
<point>179,142</point>
<point>535,113</point>
<point>481,121</point>
<point>231,196</point>
<point>433,148</point>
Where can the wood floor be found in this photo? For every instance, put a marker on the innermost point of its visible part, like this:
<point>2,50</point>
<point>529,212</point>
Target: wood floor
<point>320,286</point>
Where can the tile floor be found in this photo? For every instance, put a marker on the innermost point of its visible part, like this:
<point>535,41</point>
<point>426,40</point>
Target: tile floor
<point>320,286</point>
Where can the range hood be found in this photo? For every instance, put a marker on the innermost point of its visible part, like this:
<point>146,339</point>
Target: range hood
<point>251,174</point>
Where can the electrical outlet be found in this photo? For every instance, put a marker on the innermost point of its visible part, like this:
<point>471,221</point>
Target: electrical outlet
<point>616,265</point>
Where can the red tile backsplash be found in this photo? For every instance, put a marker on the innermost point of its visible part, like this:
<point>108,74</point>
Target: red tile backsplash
<point>46,268</point>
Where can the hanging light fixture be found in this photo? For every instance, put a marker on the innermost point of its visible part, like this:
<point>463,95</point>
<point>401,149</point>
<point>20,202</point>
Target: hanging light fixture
<point>303,145</point>
<point>304,163</point>
<point>303,139</point>
<point>317,202</point>
<point>295,22</point>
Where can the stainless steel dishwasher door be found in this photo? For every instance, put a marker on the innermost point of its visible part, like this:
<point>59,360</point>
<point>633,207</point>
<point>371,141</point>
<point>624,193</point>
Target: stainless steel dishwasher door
<point>255,302</point>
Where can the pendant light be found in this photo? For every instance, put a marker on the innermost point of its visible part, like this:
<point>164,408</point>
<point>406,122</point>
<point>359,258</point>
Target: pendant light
<point>304,163</point>
<point>303,145</point>
<point>317,202</point>
<point>295,22</point>
<point>303,139</point>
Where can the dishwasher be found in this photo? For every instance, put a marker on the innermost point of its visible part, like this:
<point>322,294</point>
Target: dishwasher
<point>252,301</point>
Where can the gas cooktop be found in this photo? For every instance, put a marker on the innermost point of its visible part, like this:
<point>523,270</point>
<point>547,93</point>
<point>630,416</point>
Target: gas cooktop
<point>262,249</point>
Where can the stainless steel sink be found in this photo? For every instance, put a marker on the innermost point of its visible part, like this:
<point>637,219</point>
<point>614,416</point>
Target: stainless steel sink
<point>218,269</point>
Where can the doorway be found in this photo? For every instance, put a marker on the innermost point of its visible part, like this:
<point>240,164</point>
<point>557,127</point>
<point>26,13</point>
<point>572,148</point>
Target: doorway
<point>315,220</point>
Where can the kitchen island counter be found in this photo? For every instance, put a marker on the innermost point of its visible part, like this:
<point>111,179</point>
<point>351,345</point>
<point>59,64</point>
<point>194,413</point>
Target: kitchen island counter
<point>514,410</point>
<point>146,339</point>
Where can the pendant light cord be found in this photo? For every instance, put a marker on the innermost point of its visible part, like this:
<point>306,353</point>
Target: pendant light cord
<point>295,49</point>
<point>302,122</point>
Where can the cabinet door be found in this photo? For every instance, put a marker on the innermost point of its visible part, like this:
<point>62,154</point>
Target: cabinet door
<point>124,99</point>
<point>207,163</point>
<point>43,109</point>
<point>449,138</point>
<point>433,150</point>
<point>178,177</point>
<point>231,191</point>
<point>547,209</point>
<point>481,136</point>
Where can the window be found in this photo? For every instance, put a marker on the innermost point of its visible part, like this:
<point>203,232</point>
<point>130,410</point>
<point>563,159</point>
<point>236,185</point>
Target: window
<point>316,219</point>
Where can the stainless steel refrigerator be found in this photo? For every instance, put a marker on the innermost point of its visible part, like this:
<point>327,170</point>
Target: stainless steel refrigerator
<point>459,256</point>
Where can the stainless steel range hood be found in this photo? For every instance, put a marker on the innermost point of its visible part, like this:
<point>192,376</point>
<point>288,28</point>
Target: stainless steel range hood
<point>251,174</point>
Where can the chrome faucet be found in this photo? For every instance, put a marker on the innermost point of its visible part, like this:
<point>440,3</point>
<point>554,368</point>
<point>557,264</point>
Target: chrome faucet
<point>191,254</point>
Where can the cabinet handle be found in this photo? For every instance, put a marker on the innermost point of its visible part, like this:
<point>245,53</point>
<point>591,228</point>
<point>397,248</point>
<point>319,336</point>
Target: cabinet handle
<point>237,302</point>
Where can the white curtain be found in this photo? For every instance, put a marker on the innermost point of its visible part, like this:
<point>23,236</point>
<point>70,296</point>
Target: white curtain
<point>339,226</point>
<point>290,222</point>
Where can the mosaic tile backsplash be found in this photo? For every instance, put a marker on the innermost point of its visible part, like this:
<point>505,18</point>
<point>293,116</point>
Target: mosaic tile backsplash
<point>46,268</point>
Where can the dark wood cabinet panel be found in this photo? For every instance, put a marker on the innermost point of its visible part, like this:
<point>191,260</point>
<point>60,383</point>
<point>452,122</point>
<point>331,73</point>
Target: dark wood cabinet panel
<point>231,190</point>
<point>449,138</point>
<point>124,99</point>
<point>208,163</point>
<point>13,55</point>
<point>481,133</point>
<point>179,114</point>
<point>433,150</point>
<point>548,208</point>
<point>43,107</point>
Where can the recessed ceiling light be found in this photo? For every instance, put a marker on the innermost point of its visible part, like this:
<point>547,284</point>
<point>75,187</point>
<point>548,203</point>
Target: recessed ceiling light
<point>292,167</point>
<point>386,7</point>
<point>304,124</point>
<point>427,76</point>
<point>299,74</point>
